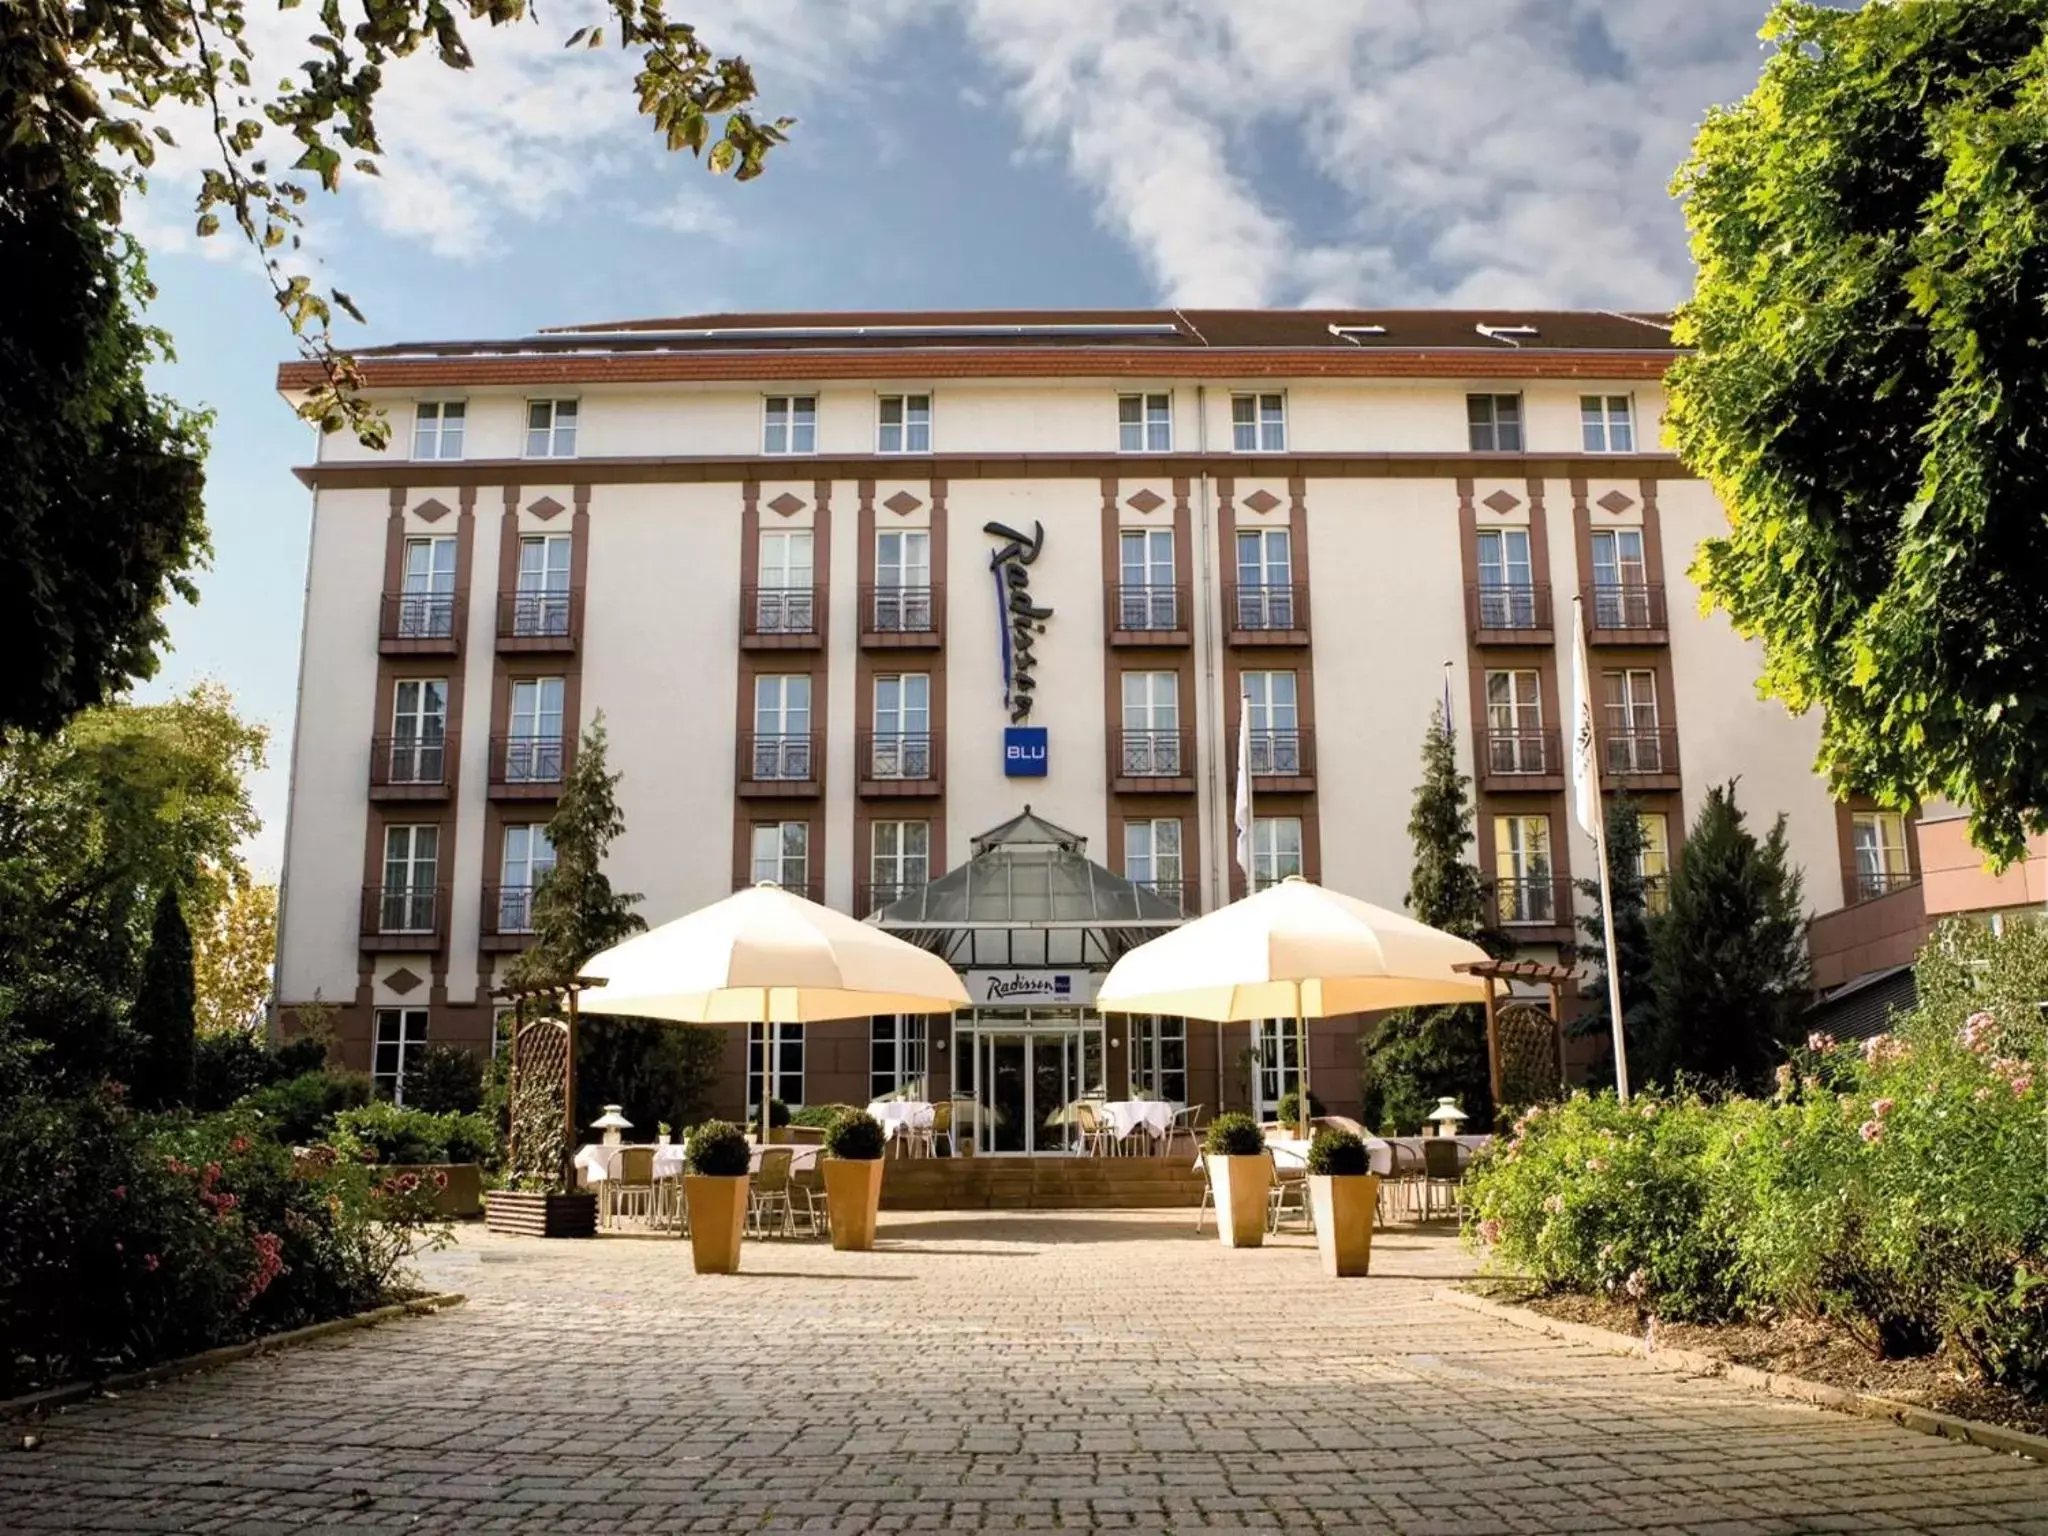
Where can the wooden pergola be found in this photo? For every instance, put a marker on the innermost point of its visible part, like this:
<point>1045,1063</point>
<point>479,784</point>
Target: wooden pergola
<point>1493,972</point>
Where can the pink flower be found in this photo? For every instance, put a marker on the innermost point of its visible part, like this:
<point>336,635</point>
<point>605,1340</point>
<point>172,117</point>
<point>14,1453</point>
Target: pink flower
<point>239,1144</point>
<point>440,1179</point>
<point>1820,1040</point>
<point>1871,1130</point>
<point>1785,1077</point>
<point>149,1262</point>
<point>1554,1204</point>
<point>1977,1031</point>
<point>1596,1165</point>
<point>2020,1085</point>
<point>1634,1285</point>
<point>1882,1107</point>
<point>117,1245</point>
<point>120,1191</point>
<point>1490,1231</point>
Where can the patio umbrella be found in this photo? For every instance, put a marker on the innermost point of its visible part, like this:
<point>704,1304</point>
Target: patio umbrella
<point>765,956</point>
<point>1294,950</point>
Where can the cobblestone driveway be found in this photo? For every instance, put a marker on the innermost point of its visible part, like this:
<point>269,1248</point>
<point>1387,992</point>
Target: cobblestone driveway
<point>1072,1371</point>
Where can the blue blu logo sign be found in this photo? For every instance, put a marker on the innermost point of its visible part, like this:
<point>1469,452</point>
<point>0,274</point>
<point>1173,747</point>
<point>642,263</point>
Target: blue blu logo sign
<point>1024,751</point>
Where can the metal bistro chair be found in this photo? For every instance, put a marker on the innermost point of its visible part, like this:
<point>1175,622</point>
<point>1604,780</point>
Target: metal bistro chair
<point>1187,1121</point>
<point>1443,1172</point>
<point>1096,1137</point>
<point>769,1192</point>
<point>628,1185</point>
<point>1401,1192</point>
<point>807,1200</point>
<point>1289,1189</point>
<point>965,1121</point>
<point>921,1137</point>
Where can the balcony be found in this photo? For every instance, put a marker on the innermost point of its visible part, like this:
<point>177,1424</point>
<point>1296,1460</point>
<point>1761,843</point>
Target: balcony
<point>1147,615</point>
<point>1152,762</point>
<point>1511,615</point>
<point>529,767</point>
<point>1185,896</point>
<point>811,889</point>
<point>421,624</point>
<point>1626,613</point>
<point>507,919</point>
<point>870,898</point>
<point>539,621</point>
<point>902,618</point>
<point>894,764</point>
<point>1270,877</point>
<point>410,768</point>
<point>781,619</point>
<point>1520,760</point>
<point>1267,614</point>
<point>1529,902</point>
<point>779,767</point>
<point>1283,761</point>
<point>404,917</point>
<point>1862,884</point>
<point>1645,759</point>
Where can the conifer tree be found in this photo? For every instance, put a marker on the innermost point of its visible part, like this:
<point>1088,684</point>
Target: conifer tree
<point>1633,940</point>
<point>164,1016</point>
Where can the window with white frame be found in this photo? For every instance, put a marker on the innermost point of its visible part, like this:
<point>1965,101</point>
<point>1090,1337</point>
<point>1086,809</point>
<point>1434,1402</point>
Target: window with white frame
<point>782,726</point>
<point>1507,590</point>
<point>789,424</point>
<point>1144,423</point>
<point>897,1055</point>
<point>1145,596</point>
<point>401,1037</point>
<point>551,429</point>
<point>784,602</point>
<point>1514,721</point>
<point>533,743</point>
<point>1276,849</point>
<point>1653,860</point>
<point>412,863</point>
<point>1523,877</point>
<point>1494,423</point>
<point>1621,579</point>
<point>437,428</point>
<point>782,854</point>
<point>1159,1056</point>
<point>1879,841</point>
<point>899,860</point>
<point>540,605</point>
<point>419,730</point>
<point>903,581</point>
<point>1151,734</point>
<point>1278,1045</point>
<point>783,1045</point>
<point>1275,722</point>
<point>426,601</point>
<point>904,424</point>
<point>902,747</point>
<point>1152,856</point>
<point>528,858</point>
<point>1633,743</point>
<point>1265,578</point>
<point>1258,423</point>
<point>1608,424</point>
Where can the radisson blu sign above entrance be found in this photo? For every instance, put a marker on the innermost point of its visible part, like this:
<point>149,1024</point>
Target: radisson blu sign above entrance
<point>1017,988</point>
<point>1020,623</point>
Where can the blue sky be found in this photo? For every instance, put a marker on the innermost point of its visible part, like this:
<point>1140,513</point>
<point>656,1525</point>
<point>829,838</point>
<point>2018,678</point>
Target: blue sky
<point>950,152</point>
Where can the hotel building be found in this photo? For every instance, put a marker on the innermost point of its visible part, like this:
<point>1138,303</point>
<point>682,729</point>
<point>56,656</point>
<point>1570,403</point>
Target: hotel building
<point>950,618</point>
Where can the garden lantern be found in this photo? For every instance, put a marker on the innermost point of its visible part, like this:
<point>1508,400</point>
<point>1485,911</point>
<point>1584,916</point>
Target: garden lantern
<point>1447,1117</point>
<point>611,1122</point>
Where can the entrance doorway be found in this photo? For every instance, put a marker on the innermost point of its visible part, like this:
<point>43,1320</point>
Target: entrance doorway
<point>1277,1049</point>
<point>1025,1069</point>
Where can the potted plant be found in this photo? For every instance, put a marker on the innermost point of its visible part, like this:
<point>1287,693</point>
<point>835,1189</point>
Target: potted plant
<point>447,1152</point>
<point>1240,1173</point>
<point>1343,1195</point>
<point>1288,1111</point>
<point>715,1186</point>
<point>778,1122</point>
<point>662,1131</point>
<point>853,1165</point>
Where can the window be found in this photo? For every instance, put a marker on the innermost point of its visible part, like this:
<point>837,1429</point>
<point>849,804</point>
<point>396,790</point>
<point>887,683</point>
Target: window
<point>1279,1053</point>
<point>419,727</point>
<point>1276,849</point>
<point>896,1055</point>
<point>1514,722</point>
<point>1152,857</point>
<point>904,424</point>
<point>1144,423</point>
<point>551,429</point>
<point>1494,423</point>
<point>785,1048</point>
<point>899,861</point>
<point>426,603</point>
<point>528,858</point>
<point>1621,590</point>
<point>903,581</point>
<point>1146,598</point>
<point>437,429</point>
<point>541,605</point>
<point>1605,420</point>
<point>790,424</point>
<point>533,745</point>
<point>903,723</point>
<point>1151,737</point>
<point>1258,423</point>
<point>395,1054</point>
<point>782,854</point>
<point>1633,745</point>
<point>412,861</point>
<point>1275,732</point>
<point>782,726</point>
<point>1879,838</point>
<point>1653,862</point>
<point>1159,1056</point>
<point>1523,878</point>
<point>1265,577</point>
<point>1507,595</point>
<point>784,603</point>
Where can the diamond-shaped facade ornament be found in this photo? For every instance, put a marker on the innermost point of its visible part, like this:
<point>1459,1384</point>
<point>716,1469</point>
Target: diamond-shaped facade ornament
<point>786,505</point>
<point>1614,501</point>
<point>431,511</point>
<point>1502,501</point>
<point>546,509</point>
<point>1146,501</point>
<point>903,503</point>
<point>1262,501</point>
<point>402,981</point>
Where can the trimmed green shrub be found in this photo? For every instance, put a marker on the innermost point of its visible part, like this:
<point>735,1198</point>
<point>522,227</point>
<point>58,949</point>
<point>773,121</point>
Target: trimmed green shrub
<point>856,1138</point>
<point>778,1114</point>
<point>1289,1110</point>
<point>718,1149</point>
<point>1341,1154</point>
<point>228,1065</point>
<point>390,1134</point>
<point>302,1109</point>
<point>1234,1135</point>
<point>821,1116</point>
<point>445,1079</point>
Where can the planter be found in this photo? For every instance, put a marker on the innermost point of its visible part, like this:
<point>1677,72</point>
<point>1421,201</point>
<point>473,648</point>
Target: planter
<point>778,1136</point>
<point>540,1213</point>
<point>1240,1184</point>
<point>1343,1207</point>
<point>853,1194</point>
<point>461,1195</point>
<point>718,1220</point>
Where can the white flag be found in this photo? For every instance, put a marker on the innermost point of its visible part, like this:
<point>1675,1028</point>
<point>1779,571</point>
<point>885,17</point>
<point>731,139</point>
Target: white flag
<point>1244,790</point>
<point>1450,720</point>
<point>1585,772</point>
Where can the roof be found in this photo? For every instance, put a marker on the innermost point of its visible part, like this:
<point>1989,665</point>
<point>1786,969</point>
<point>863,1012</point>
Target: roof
<point>1863,1006</point>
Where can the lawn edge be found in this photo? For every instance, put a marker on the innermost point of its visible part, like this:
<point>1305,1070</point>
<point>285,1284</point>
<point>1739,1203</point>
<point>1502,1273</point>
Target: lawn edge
<point>34,1403</point>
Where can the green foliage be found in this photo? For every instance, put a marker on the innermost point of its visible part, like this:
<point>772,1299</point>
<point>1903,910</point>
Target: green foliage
<point>718,1149</point>
<point>301,1110</point>
<point>576,913</point>
<point>1234,1135</point>
<point>446,1079</point>
<point>1444,888</point>
<point>1633,945</point>
<point>384,1133</point>
<point>651,1069</point>
<point>1865,392</point>
<point>1340,1154</point>
<point>1729,970</point>
<point>1288,1110</point>
<point>821,1116</point>
<point>778,1114</point>
<point>163,1018</point>
<point>856,1137</point>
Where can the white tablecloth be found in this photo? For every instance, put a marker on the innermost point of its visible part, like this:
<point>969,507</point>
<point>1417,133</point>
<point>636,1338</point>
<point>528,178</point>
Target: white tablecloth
<point>594,1161</point>
<point>1292,1152</point>
<point>1127,1115</point>
<point>901,1115</point>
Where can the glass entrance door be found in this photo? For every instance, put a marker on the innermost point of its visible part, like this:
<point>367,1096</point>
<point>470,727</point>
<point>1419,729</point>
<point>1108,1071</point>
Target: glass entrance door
<point>1026,1085</point>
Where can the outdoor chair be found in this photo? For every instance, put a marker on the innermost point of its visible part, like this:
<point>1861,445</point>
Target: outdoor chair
<point>628,1185</point>
<point>923,1140</point>
<point>1289,1189</point>
<point>768,1194</point>
<point>1208,1200</point>
<point>1443,1174</point>
<point>807,1200</point>
<point>964,1121</point>
<point>1096,1138</point>
<point>1402,1189</point>
<point>1187,1122</point>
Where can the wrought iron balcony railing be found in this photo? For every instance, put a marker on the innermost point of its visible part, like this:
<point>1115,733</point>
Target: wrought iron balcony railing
<point>421,621</point>
<point>770,613</point>
<point>1627,605</point>
<point>1154,754</point>
<point>1139,609</point>
<point>1533,901</point>
<point>508,910</point>
<point>877,894</point>
<point>1512,608</point>
<point>1283,754</point>
<point>534,760</point>
<point>1184,895</point>
<point>1268,607</point>
<point>413,913</point>
<point>1639,754</point>
<point>779,759</point>
<point>540,616</point>
<point>911,612</point>
<point>1867,884</point>
<point>1521,754</point>
<point>412,766</point>
<point>897,756</point>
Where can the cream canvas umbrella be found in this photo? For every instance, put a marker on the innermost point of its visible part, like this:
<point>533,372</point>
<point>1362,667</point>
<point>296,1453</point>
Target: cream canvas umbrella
<point>1298,951</point>
<point>764,956</point>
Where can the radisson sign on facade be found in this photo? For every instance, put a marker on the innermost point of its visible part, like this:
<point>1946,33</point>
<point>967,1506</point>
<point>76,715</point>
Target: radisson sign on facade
<point>1021,622</point>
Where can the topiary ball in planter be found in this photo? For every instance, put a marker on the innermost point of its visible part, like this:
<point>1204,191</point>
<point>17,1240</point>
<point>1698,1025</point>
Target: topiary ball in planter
<point>1234,1135</point>
<point>1340,1154</point>
<point>857,1137</point>
<point>718,1150</point>
<point>1288,1111</point>
<point>778,1114</point>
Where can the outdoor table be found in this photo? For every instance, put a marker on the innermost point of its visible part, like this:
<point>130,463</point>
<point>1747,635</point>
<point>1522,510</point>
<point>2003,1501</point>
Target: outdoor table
<point>1411,1147</point>
<point>1127,1115</point>
<point>901,1116</point>
<point>1293,1151</point>
<point>593,1162</point>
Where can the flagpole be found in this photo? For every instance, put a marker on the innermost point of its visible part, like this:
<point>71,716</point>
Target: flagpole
<point>1246,860</point>
<point>1594,819</point>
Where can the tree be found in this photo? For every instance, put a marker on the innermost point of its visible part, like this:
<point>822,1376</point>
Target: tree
<point>1419,1055</point>
<point>232,959</point>
<point>1865,392</point>
<point>1632,944</point>
<point>163,1019</point>
<point>1729,967</point>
